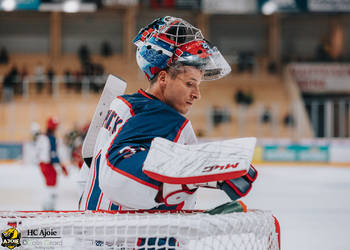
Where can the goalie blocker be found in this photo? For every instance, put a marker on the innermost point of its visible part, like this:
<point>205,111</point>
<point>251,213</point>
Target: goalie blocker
<point>174,163</point>
<point>183,168</point>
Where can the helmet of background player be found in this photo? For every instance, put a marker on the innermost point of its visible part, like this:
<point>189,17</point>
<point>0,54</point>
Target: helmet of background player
<point>170,39</point>
<point>52,123</point>
<point>34,128</point>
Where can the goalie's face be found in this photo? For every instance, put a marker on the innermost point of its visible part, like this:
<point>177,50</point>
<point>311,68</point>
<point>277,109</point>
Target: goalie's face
<point>181,91</point>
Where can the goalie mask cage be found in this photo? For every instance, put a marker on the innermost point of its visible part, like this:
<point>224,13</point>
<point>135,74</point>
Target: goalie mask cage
<point>254,229</point>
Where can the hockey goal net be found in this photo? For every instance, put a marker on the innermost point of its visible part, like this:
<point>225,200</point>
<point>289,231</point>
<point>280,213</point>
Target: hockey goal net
<point>254,229</point>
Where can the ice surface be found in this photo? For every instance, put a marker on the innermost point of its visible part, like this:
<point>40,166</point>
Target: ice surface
<point>312,203</point>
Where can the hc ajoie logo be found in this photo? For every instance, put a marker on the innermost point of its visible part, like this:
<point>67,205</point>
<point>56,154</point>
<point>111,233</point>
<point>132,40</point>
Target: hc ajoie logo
<point>42,233</point>
<point>11,238</point>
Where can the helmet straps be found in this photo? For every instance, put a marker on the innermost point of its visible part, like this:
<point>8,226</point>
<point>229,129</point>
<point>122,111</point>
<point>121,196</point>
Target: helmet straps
<point>177,53</point>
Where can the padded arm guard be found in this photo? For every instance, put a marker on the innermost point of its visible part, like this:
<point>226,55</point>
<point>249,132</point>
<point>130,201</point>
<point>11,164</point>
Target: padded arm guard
<point>239,187</point>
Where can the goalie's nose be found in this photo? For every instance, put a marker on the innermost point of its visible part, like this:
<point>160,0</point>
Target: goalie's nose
<point>196,95</point>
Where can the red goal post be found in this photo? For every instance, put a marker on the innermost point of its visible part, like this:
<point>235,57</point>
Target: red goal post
<point>254,229</point>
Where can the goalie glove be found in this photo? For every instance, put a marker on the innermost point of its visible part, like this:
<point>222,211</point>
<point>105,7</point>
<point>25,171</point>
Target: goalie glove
<point>239,187</point>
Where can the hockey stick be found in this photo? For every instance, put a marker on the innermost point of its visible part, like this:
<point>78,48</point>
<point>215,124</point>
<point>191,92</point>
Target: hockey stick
<point>114,87</point>
<point>174,163</point>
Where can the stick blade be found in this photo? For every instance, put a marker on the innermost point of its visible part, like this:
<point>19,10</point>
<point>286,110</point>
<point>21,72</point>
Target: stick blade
<point>114,87</point>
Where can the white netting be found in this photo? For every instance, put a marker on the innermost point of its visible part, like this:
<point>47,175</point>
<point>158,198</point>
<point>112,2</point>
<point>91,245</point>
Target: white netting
<point>97,230</point>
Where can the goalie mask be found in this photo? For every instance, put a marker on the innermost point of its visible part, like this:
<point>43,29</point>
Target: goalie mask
<point>169,39</point>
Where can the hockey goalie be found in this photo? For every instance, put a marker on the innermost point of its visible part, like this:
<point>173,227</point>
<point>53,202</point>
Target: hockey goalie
<point>141,151</point>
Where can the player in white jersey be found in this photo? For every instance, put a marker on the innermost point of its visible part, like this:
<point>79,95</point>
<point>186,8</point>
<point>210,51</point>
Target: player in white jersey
<point>49,162</point>
<point>175,58</point>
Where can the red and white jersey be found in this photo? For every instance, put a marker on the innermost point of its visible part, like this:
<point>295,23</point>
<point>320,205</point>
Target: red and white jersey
<point>48,149</point>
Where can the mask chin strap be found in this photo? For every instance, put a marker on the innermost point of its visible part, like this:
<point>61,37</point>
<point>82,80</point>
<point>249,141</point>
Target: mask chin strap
<point>177,53</point>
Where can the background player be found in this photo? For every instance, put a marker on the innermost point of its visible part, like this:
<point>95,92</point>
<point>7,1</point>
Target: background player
<point>48,159</point>
<point>175,58</point>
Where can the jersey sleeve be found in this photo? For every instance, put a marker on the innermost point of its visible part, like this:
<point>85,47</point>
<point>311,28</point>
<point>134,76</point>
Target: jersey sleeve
<point>186,134</point>
<point>126,184</point>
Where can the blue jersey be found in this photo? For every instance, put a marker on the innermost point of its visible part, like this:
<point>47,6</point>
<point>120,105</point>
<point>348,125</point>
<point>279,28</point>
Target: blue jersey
<point>53,149</point>
<point>116,179</point>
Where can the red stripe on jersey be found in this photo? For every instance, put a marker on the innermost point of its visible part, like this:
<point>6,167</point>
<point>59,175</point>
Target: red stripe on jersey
<point>128,104</point>
<point>99,201</point>
<point>140,91</point>
<point>93,182</point>
<point>180,130</point>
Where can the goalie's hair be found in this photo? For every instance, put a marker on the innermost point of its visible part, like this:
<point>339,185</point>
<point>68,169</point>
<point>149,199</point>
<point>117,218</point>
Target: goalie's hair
<point>174,69</point>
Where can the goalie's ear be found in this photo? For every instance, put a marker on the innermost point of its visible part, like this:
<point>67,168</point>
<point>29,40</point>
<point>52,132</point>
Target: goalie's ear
<point>162,83</point>
<point>163,78</point>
